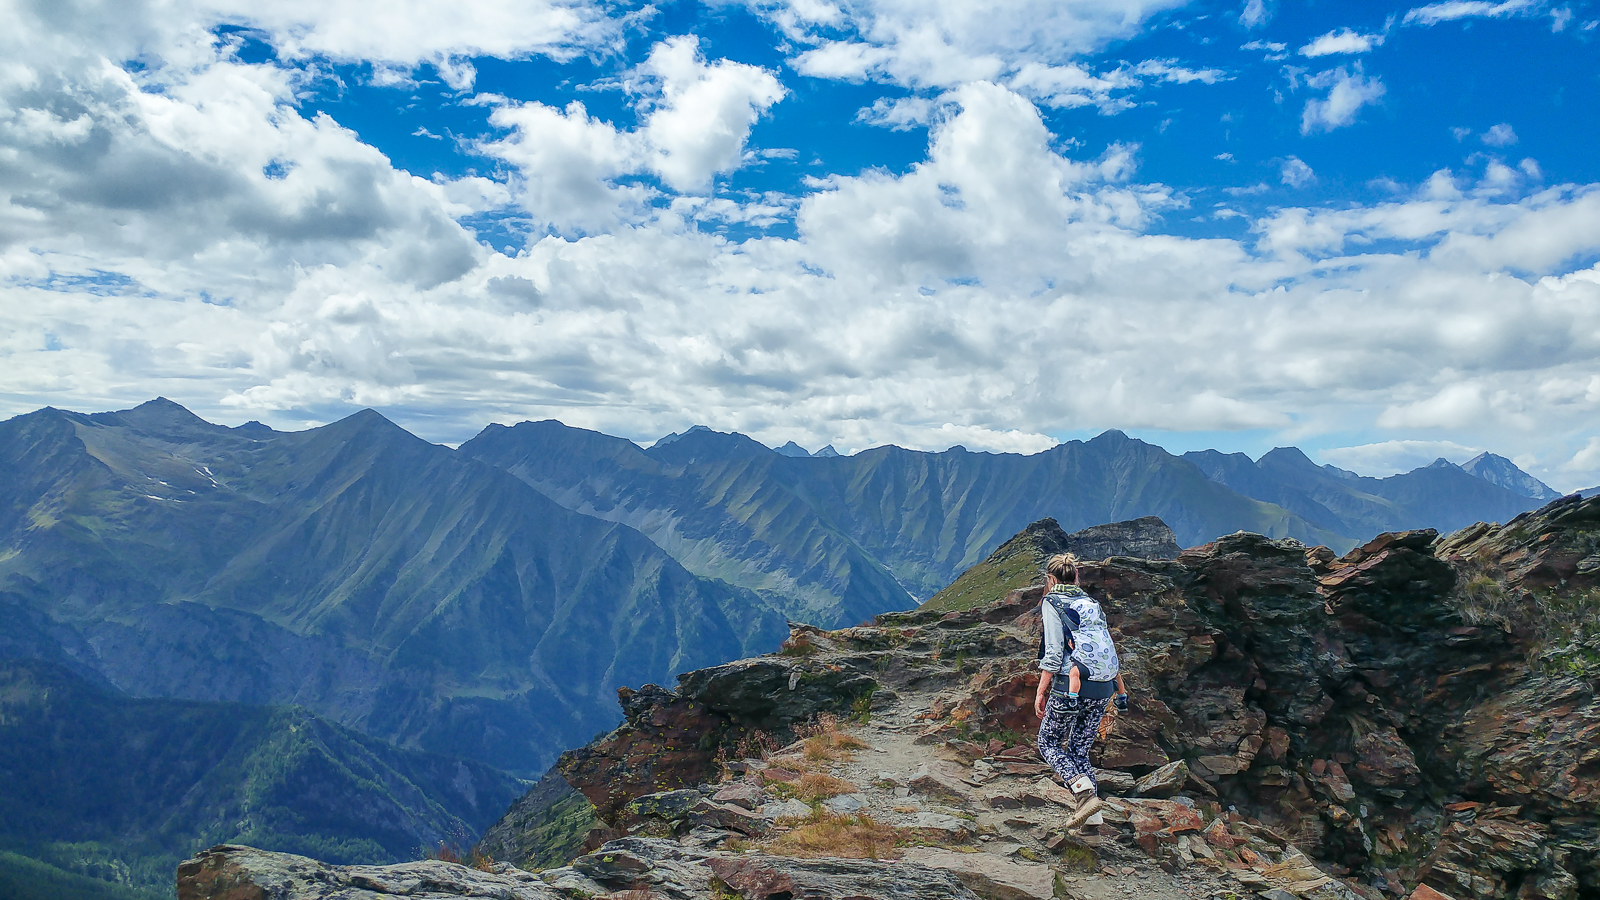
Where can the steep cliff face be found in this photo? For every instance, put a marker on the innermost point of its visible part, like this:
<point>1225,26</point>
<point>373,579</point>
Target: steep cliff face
<point>1419,711</point>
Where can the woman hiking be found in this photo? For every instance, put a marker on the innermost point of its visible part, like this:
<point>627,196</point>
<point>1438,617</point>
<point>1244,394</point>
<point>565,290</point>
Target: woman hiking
<point>1079,676</point>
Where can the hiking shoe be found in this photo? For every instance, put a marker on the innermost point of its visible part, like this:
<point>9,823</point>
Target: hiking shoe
<point>1088,809</point>
<point>1083,784</point>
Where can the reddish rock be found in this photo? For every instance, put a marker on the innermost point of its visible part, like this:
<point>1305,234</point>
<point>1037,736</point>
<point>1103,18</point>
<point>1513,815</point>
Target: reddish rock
<point>1384,760</point>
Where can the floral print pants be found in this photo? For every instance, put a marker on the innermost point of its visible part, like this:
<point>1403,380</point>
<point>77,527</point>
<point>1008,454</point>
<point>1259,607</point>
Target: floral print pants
<point>1065,736</point>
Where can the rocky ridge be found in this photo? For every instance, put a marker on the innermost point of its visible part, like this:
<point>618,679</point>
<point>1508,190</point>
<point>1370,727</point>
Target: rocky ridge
<point>1416,718</point>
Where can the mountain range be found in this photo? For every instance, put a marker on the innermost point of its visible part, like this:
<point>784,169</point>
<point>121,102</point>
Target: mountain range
<point>833,540</point>
<point>485,602</point>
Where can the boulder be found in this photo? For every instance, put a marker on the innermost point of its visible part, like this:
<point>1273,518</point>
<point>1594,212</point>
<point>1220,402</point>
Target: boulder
<point>739,794</point>
<point>941,782</point>
<point>1163,782</point>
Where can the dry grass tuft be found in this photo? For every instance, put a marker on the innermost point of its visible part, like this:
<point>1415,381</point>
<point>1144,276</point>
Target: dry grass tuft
<point>821,786</point>
<point>812,787</point>
<point>851,837</point>
<point>824,742</point>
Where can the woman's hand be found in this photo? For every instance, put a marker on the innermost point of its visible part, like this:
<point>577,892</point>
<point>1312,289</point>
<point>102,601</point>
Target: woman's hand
<point>1041,698</point>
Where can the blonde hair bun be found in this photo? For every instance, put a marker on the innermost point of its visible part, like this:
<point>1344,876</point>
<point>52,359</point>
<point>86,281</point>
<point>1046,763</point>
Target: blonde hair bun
<point>1063,567</point>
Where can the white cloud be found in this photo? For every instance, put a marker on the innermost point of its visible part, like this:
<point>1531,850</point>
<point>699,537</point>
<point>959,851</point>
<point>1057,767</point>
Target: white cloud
<point>1255,12</point>
<point>943,43</point>
<point>569,162</point>
<point>900,114</point>
<point>1295,173</point>
<point>1451,10</point>
<point>1454,406</point>
<point>1386,458</point>
<point>703,120</point>
<point>1342,41</point>
<point>1347,91</point>
<point>1500,136</point>
<point>1169,70</point>
<point>410,32</point>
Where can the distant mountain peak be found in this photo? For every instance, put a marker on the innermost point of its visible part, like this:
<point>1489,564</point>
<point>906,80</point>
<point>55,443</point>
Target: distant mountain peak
<point>1293,456</point>
<point>827,453</point>
<point>679,435</point>
<point>793,450</point>
<point>1441,463</point>
<point>1503,472</point>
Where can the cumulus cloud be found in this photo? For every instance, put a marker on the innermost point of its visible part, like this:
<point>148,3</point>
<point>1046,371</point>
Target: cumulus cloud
<point>412,32</point>
<point>1500,136</point>
<point>700,125</point>
<point>1348,91</point>
<point>943,43</point>
<point>697,123</point>
<point>1342,41</point>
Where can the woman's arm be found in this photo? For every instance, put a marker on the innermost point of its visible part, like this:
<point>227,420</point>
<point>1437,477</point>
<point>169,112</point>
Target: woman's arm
<point>1043,695</point>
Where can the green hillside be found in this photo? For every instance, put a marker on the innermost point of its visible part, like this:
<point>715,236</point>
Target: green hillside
<point>104,794</point>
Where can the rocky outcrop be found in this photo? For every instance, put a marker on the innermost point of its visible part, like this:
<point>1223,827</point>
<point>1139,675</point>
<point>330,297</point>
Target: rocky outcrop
<point>231,872</point>
<point>674,739</point>
<point>1146,538</point>
<point>1415,715</point>
<point>1019,561</point>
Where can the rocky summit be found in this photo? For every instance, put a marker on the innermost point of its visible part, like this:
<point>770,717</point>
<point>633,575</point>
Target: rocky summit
<point>1416,718</point>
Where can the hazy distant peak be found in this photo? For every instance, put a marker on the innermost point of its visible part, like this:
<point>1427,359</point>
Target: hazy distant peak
<point>1111,436</point>
<point>1287,456</point>
<point>1503,472</point>
<point>794,450</point>
<point>679,435</point>
<point>827,452</point>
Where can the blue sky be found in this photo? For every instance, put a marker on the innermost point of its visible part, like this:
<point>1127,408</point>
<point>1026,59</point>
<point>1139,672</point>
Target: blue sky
<point>1369,230</point>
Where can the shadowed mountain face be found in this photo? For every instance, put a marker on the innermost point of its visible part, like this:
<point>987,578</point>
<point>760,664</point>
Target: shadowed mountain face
<point>99,784</point>
<point>355,569</point>
<point>1442,496</point>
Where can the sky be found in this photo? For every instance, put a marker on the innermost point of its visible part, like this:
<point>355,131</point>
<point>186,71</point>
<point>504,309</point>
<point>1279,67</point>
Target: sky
<point>1368,230</point>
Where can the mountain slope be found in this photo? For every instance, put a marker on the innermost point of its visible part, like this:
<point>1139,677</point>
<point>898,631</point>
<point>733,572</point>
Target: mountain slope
<point>355,569</point>
<point>834,540</point>
<point>105,787</point>
<point>1499,470</point>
